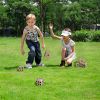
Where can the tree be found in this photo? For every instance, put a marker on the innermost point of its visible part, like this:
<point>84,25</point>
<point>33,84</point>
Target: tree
<point>17,12</point>
<point>90,11</point>
<point>3,15</point>
<point>72,15</point>
<point>63,13</point>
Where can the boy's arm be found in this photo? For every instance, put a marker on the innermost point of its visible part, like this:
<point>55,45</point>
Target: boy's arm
<point>42,39</point>
<point>73,50</point>
<point>22,43</point>
<point>52,33</point>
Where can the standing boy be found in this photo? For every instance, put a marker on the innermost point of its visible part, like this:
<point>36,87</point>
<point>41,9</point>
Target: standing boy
<point>30,34</point>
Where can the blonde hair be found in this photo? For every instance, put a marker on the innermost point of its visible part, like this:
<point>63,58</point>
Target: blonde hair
<point>30,16</point>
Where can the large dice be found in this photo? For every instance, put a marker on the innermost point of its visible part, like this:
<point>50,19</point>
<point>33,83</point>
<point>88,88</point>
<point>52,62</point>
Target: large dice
<point>39,81</point>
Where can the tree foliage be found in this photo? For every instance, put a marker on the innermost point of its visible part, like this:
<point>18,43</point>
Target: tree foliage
<point>62,13</point>
<point>17,12</point>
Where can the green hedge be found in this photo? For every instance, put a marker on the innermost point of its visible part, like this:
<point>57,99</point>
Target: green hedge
<point>86,35</point>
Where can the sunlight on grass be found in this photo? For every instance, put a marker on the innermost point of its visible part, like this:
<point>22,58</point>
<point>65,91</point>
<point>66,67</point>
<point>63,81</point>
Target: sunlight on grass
<point>60,83</point>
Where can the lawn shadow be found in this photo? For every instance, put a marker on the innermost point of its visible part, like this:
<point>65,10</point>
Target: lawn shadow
<point>52,65</point>
<point>10,68</point>
<point>33,66</point>
<point>15,67</point>
<point>55,66</point>
<point>3,44</point>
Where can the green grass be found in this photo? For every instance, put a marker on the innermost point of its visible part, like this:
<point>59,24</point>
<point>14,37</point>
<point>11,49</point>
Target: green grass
<point>60,83</point>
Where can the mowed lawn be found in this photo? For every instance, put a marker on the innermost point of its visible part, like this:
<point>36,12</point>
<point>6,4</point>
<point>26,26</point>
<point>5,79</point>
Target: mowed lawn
<point>60,83</point>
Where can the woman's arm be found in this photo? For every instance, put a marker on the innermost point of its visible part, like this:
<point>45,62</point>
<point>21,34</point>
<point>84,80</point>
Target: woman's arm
<point>52,33</point>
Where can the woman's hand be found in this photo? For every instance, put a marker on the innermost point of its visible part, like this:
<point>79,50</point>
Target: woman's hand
<point>51,26</point>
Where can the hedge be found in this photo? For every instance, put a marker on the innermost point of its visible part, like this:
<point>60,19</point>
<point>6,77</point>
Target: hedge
<point>86,35</point>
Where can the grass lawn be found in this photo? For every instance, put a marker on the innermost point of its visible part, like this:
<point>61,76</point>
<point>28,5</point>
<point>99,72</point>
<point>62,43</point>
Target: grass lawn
<point>60,83</point>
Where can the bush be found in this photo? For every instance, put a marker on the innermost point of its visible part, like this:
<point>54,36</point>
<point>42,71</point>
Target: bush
<point>10,31</point>
<point>86,35</point>
<point>96,37</point>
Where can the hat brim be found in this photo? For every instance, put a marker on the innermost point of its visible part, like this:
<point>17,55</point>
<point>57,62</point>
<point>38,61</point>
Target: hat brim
<point>65,33</point>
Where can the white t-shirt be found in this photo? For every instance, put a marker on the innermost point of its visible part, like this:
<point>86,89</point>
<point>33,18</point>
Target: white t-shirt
<point>32,33</point>
<point>68,46</point>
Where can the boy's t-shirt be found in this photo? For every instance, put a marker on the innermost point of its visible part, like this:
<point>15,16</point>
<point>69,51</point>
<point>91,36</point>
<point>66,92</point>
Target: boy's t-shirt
<point>68,45</point>
<point>32,33</point>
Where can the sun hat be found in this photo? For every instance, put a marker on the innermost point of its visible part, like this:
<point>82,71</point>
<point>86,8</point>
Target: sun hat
<point>65,33</point>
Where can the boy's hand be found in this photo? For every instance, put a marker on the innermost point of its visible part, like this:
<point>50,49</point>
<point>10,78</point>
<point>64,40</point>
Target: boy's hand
<point>66,58</point>
<point>51,26</point>
<point>22,52</point>
<point>43,46</point>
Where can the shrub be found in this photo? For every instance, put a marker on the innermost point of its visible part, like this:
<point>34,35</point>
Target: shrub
<point>86,35</point>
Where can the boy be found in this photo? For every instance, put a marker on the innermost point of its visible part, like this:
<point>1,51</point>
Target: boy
<point>30,34</point>
<point>68,50</point>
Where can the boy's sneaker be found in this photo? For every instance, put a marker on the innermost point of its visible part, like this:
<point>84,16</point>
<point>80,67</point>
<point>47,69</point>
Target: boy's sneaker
<point>62,63</point>
<point>69,65</point>
<point>28,66</point>
<point>41,65</point>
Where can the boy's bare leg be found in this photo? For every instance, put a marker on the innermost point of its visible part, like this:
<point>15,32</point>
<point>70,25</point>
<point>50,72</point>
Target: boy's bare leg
<point>63,52</point>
